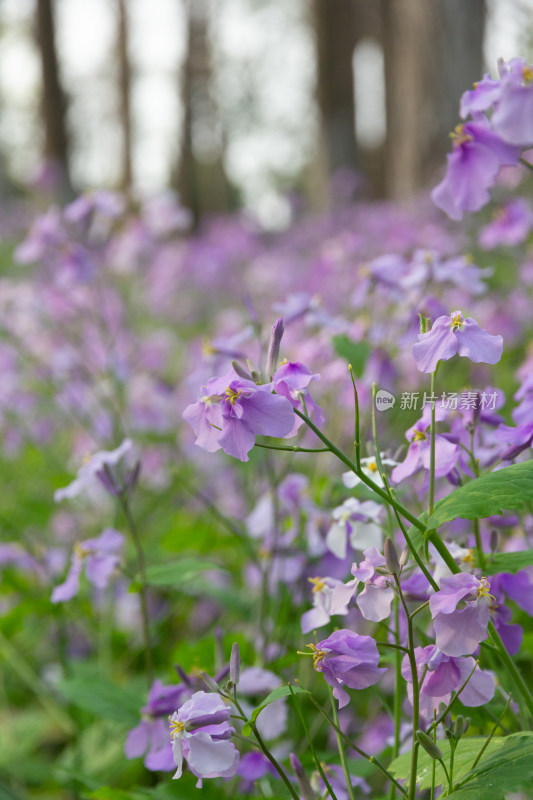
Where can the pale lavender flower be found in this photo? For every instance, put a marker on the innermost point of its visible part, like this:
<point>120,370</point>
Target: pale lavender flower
<point>513,116</point>
<point>101,558</point>
<point>461,613</point>
<point>356,522</point>
<point>419,454</point>
<point>347,659</point>
<point>446,674</point>
<point>510,226</point>
<point>233,411</point>
<point>456,334</point>
<point>150,736</point>
<point>320,614</point>
<point>200,733</point>
<point>375,600</point>
<point>370,468</point>
<point>88,474</point>
<point>477,157</point>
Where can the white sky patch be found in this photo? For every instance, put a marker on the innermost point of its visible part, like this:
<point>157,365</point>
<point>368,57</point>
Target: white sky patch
<point>369,82</point>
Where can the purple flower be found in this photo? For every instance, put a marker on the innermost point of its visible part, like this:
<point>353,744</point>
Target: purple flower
<point>513,117</point>
<point>233,411</point>
<point>482,97</point>
<point>347,659</point>
<point>291,380</point>
<point>418,455</point>
<point>455,334</point>
<point>518,438</point>
<point>88,475</point>
<point>200,733</point>
<point>444,675</point>
<point>335,775</point>
<point>510,226</point>
<point>320,614</point>
<point>478,154</point>
<point>101,560</point>
<point>461,613</point>
<point>375,600</point>
<point>357,522</point>
<point>150,736</point>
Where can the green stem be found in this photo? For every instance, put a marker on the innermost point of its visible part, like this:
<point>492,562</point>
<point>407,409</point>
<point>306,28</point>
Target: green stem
<point>357,749</point>
<point>279,769</point>
<point>431,501</point>
<point>491,734</point>
<point>416,690</point>
<point>360,474</point>
<point>311,746</point>
<point>292,448</point>
<point>357,437</point>
<point>399,687</point>
<point>340,746</point>
<point>141,565</point>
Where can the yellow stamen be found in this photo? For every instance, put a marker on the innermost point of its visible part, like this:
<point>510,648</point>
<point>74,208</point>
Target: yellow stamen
<point>457,321</point>
<point>176,727</point>
<point>484,591</point>
<point>372,466</point>
<point>318,584</point>
<point>469,558</point>
<point>80,551</point>
<point>232,395</point>
<point>318,655</point>
<point>527,74</point>
<point>459,136</point>
<point>208,349</point>
<point>419,436</point>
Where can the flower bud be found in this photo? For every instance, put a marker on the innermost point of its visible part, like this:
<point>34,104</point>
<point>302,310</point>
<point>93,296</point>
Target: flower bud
<point>461,726</point>
<point>404,557</point>
<point>241,371</point>
<point>423,323</point>
<point>429,745</point>
<point>306,790</point>
<point>391,557</point>
<point>209,682</point>
<point>273,348</point>
<point>235,664</point>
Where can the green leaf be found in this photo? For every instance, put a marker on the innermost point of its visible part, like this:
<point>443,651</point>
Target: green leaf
<point>276,694</point>
<point>103,698</point>
<point>506,489</point>
<point>508,769</point>
<point>465,755</point>
<point>507,562</point>
<point>355,353</point>
<point>107,793</point>
<point>178,573</point>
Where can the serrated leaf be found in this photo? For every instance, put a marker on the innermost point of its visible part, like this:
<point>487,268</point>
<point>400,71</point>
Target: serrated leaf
<point>465,755</point>
<point>103,698</point>
<point>509,769</point>
<point>178,573</point>
<point>355,353</point>
<point>275,694</point>
<point>507,489</point>
<point>507,562</point>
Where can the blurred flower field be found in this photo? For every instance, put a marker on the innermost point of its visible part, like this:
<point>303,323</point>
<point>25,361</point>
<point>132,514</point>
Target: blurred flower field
<point>133,560</point>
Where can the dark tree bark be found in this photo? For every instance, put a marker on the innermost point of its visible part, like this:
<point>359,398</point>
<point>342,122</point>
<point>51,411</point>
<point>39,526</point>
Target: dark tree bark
<point>335,35</point>
<point>124,88</point>
<point>201,179</point>
<point>433,52</point>
<point>54,104</point>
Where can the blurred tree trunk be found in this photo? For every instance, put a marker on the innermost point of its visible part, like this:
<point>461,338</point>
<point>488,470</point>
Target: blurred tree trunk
<point>201,179</point>
<point>124,88</point>
<point>433,52</point>
<point>54,104</point>
<point>335,34</point>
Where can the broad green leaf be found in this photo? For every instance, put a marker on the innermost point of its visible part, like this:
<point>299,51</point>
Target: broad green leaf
<point>355,353</point>
<point>506,489</point>
<point>177,573</point>
<point>507,562</point>
<point>276,694</point>
<point>508,769</point>
<point>465,755</point>
<point>103,698</point>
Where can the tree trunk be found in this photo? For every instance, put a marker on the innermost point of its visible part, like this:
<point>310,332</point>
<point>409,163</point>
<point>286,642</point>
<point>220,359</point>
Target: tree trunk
<point>54,105</point>
<point>334,25</point>
<point>201,179</point>
<point>433,52</point>
<point>124,89</point>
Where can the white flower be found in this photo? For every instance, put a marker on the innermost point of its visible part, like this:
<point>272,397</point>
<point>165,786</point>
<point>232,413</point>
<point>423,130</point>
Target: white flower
<point>370,469</point>
<point>357,521</point>
<point>87,479</point>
